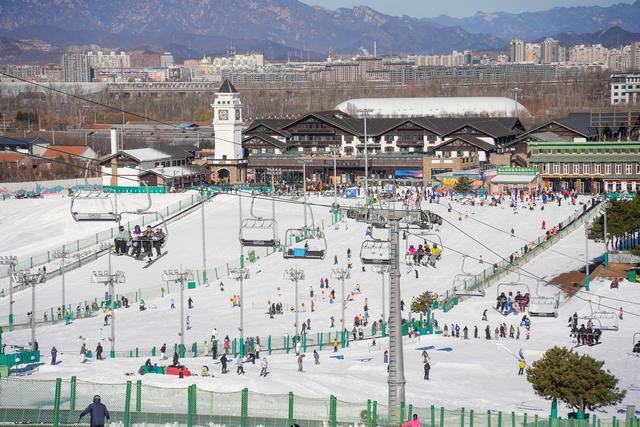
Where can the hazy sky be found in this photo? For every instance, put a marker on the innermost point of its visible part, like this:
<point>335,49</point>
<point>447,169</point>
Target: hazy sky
<point>430,8</point>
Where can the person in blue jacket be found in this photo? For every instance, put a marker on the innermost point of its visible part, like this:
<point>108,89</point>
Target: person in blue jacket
<point>97,412</point>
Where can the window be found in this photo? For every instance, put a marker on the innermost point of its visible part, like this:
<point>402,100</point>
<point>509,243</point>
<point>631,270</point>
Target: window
<point>628,169</point>
<point>556,168</point>
<point>576,168</point>
<point>607,168</point>
<point>348,151</point>
<point>597,168</point>
<point>638,168</point>
<point>618,169</point>
<point>432,138</point>
<point>565,168</point>
<point>388,149</point>
<point>585,168</point>
<point>545,168</point>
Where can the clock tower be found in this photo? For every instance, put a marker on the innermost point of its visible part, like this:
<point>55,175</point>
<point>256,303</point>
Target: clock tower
<point>227,123</point>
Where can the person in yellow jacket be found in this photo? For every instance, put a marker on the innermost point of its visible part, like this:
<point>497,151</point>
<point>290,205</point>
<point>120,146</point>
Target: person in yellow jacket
<point>521,365</point>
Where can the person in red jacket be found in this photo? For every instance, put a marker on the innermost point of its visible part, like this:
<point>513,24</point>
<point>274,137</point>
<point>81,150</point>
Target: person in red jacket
<point>415,422</point>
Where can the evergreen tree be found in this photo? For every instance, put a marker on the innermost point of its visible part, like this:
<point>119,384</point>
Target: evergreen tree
<point>423,302</point>
<point>578,380</point>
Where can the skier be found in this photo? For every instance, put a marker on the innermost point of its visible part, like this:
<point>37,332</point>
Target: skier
<point>83,352</point>
<point>427,368</point>
<point>99,352</point>
<point>97,412</point>
<point>316,357</point>
<point>465,333</point>
<point>521,366</point>
<point>300,359</point>
<point>188,323</point>
<point>333,322</point>
<point>487,332</point>
<point>190,302</point>
<point>54,355</point>
<point>264,364</point>
<point>240,367</point>
<point>484,315</point>
<point>335,345</point>
<point>475,331</point>
<point>173,304</point>
<point>415,422</point>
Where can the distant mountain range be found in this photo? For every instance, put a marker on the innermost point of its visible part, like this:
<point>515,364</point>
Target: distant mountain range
<point>279,28</point>
<point>611,38</point>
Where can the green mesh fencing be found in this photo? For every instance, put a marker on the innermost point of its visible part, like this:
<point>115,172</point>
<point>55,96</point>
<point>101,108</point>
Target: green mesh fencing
<point>59,402</point>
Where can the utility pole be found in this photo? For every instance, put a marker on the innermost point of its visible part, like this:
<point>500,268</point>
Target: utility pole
<point>365,114</point>
<point>204,247</point>
<point>335,151</point>
<point>341,274</point>
<point>586,257</point>
<point>304,191</point>
<point>110,279</point>
<point>295,274</point>
<point>606,243</point>
<point>179,276</point>
<point>11,262</point>
<point>62,254</point>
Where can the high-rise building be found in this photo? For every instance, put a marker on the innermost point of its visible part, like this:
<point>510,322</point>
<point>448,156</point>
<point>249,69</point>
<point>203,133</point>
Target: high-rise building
<point>112,60</point>
<point>166,60</point>
<point>635,57</point>
<point>532,53</point>
<point>549,51</point>
<point>75,67</point>
<point>517,51</point>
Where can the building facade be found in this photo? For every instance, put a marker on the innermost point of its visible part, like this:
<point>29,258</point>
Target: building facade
<point>76,68</point>
<point>625,89</point>
<point>588,167</point>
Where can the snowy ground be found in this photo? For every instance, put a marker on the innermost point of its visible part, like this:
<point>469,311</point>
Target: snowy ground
<point>460,377</point>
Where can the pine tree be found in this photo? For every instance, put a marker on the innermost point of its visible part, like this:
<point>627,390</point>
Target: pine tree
<point>578,380</point>
<point>423,302</point>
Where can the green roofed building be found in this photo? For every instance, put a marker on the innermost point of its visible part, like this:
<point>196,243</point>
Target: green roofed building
<point>588,167</point>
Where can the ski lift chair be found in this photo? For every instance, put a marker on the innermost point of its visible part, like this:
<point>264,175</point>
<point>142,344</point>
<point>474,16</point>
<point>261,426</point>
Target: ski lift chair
<point>94,194</point>
<point>315,246</point>
<point>462,280</point>
<point>265,229</point>
<point>542,307</point>
<point>375,252</point>
<point>512,287</point>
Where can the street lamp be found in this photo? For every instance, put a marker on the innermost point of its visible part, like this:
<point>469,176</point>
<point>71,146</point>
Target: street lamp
<point>365,113</point>
<point>204,248</point>
<point>62,254</point>
<point>304,189</point>
<point>295,274</point>
<point>240,274</point>
<point>341,274</point>
<point>106,277</point>
<point>25,277</point>
<point>179,276</point>
<point>335,151</point>
<point>10,261</point>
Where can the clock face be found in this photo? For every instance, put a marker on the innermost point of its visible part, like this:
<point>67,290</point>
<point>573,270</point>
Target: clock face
<point>237,114</point>
<point>223,114</point>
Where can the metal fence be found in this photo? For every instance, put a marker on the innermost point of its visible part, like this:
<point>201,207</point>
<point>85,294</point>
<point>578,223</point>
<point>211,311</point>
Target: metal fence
<point>59,402</point>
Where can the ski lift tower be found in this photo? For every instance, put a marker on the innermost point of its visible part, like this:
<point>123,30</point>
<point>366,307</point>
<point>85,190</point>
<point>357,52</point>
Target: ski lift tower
<point>240,274</point>
<point>106,277</point>
<point>342,274</point>
<point>62,254</point>
<point>179,276</point>
<point>295,274</point>
<point>25,277</point>
<point>11,262</point>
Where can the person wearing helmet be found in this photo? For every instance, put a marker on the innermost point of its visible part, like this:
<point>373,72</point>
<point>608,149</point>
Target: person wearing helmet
<point>97,412</point>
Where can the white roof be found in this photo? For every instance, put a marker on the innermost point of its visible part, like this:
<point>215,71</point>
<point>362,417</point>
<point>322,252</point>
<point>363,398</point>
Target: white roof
<point>435,106</point>
<point>513,179</point>
<point>171,171</point>
<point>147,154</point>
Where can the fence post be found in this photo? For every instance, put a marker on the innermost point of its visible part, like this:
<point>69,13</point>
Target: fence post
<point>127,405</point>
<point>304,343</point>
<point>433,416</point>
<point>471,418</point>
<point>138,396</point>
<point>462,417</point>
<point>513,419</point>
<point>244,407</point>
<point>402,416</point>
<point>441,416</point>
<point>409,412</point>
<point>489,418</point>
<point>56,403</point>
<point>269,345</point>
<point>375,414</point>
<point>332,411</point>
<point>369,412</point>
<point>499,418</point>
<point>190,406</point>
<point>524,421</point>
<point>290,417</point>
<point>72,394</point>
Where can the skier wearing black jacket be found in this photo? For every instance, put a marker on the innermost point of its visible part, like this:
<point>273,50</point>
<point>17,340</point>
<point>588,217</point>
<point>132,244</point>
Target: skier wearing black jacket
<point>97,412</point>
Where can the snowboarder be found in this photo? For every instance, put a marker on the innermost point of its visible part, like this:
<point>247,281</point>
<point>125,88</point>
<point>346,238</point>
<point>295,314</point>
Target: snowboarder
<point>97,412</point>
<point>316,357</point>
<point>240,367</point>
<point>190,302</point>
<point>333,322</point>
<point>521,366</point>
<point>163,351</point>
<point>484,315</point>
<point>99,352</point>
<point>83,352</point>
<point>427,368</point>
<point>300,359</point>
